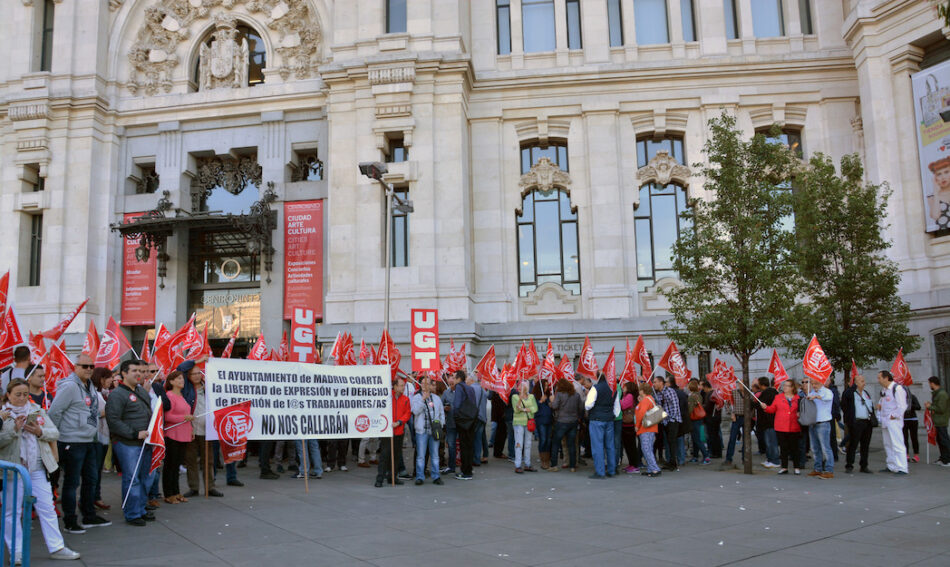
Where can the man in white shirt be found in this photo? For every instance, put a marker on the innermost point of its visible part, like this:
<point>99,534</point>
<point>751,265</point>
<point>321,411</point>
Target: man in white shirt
<point>21,359</point>
<point>821,431</point>
<point>891,410</point>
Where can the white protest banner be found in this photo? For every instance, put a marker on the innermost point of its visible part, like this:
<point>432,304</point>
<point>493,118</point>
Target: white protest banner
<point>293,400</point>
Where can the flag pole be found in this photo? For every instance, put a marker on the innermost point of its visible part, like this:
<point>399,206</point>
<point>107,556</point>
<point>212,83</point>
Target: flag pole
<point>306,469</point>
<point>135,473</point>
<point>207,476</point>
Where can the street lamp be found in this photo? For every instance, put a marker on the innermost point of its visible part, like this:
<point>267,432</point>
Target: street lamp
<point>376,170</point>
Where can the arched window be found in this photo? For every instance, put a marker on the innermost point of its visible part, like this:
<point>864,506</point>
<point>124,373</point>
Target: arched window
<point>657,219</point>
<point>546,221</point>
<point>257,55</point>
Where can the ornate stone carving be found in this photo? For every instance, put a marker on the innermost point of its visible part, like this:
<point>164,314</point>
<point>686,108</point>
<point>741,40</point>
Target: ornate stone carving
<point>544,176</point>
<point>154,56</point>
<point>115,5</point>
<point>224,62</point>
<point>662,169</point>
<point>550,300</point>
<point>28,112</point>
<point>231,174</point>
<point>387,75</point>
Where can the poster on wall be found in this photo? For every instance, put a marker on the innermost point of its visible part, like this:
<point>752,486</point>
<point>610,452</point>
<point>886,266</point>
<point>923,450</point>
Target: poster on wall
<point>931,89</point>
<point>138,282</point>
<point>303,257</point>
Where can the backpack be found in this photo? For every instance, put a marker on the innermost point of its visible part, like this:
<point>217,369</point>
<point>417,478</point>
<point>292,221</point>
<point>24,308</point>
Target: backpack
<point>807,412</point>
<point>466,413</point>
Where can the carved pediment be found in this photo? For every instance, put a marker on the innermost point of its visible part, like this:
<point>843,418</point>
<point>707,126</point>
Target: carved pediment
<point>544,176</point>
<point>663,169</point>
<point>550,300</point>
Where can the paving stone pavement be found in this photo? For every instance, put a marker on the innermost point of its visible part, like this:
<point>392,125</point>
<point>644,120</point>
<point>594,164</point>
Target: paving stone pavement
<point>699,516</point>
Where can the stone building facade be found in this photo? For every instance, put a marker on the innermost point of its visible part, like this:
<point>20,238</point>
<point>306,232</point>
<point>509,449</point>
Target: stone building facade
<point>107,105</point>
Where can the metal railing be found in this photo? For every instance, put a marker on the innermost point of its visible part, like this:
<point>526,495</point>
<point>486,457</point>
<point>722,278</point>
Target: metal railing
<point>17,493</point>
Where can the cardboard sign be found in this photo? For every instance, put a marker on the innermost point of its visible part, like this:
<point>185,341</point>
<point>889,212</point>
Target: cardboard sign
<point>425,340</point>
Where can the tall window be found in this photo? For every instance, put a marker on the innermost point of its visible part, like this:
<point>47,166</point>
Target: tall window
<point>537,24</point>
<point>767,18</point>
<point>555,151</point>
<point>36,248</point>
<point>573,24</point>
<point>397,150</point>
<point>705,366</point>
<point>657,221</point>
<point>400,235</point>
<point>792,139</point>
<point>942,352</point>
<point>804,13</point>
<point>689,20</point>
<point>615,23</point>
<point>46,41</point>
<point>257,55</point>
<point>652,22</point>
<point>395,16</point>
<point>503,21</point>
<point>732,19</point>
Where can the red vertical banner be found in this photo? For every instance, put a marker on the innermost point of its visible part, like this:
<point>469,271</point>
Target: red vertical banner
<point>302,330</point>
<point>425,340</point>
<point>138,282</point>
<point>303,257</point>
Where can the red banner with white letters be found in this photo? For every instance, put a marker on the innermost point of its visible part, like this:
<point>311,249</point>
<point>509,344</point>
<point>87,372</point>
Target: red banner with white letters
<point>425,340</point>
<point>302,329</point>
<point>138,282</point>
<point>303,257</point>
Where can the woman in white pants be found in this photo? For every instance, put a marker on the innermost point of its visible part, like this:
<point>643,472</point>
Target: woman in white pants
<point>24,438</point>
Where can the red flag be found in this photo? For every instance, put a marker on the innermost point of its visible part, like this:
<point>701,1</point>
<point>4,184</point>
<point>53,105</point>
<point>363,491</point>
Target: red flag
<point>507,381</point>
<point>156,437</point>
<point>588,364</point>
<point>347,353</point>
<point>642,357</point>
<point>114,346</point>
<point>58,367</point>
<point>629,372</point>
<point>283,351</point>
<point>192,343</point>
<point>365,352</point>
<point>929,426</point>
<point>144,354</point>
<point>388,353</point>
<point>161,336</point>
<point>531,361</point>
<point>815,364</point>
<point>10,335</point>
<point>548,370</point>
<point>233,423</point>
<point>776,368</point>
<point>259,350</point>
<point>168,353</point>
<point>487,369</point>
<point>673,363</point>
<point>4,288</point>
<point>900,371</point>
<point>230,346</point>
<point>565,370</point>
<point>455,360</point>
<point>724,381</point>
<point>335,349</point>
<point>854,373</point>
<point>90,346</point>
<point>57,332</point>
<point>610,371</point>
<point>37,348</point>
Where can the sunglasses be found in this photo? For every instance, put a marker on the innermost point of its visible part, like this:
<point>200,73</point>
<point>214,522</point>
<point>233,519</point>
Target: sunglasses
<point>86,366</point>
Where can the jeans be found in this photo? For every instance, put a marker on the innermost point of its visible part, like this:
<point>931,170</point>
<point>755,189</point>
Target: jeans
<point>511,438</point>
<point>314,461</point>
<point>646,450</point>
<point>544,437</point>
<point>698,439</point>
<point>771,446</point>
<point>821,446</point>
<point>943,442</point>
<point>670,445</point>
<point>561,430</point>
<point>618,442</point>
<point>479,437</point>
<point>79,462</point>
<point>425,442</point>
<point>910,430</point>
<point>128,456</point>
<point>735,433</point>
<point>230,469</point>
<point>154,483</point>
<point>523,439</point>
<point>680,445</point>
<point>101,451</point>
<point>602,447</point>
<point>451,434</point>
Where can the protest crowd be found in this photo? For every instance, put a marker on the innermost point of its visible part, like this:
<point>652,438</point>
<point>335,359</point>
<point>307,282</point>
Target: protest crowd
<point>69,421</point>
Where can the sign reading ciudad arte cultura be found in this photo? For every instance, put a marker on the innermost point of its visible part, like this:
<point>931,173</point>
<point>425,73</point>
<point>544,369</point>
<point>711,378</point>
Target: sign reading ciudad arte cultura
<point>294,400</point>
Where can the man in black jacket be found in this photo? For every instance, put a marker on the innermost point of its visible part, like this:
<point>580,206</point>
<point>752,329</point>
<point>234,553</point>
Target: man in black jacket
<point>765,422</point>
<point>857,406</point>
<point>128,413</point>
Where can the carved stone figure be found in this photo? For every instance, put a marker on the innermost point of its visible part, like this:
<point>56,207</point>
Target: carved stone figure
<point>224,62</point>
<point>662,169</point>
<point>544,176</point>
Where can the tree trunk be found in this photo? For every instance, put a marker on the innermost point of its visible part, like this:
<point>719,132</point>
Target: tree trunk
<point>747,418</point>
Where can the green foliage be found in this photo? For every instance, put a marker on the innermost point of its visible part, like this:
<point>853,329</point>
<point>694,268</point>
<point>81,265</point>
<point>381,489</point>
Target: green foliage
<point>739,277</point>
<point>850,284</point>
<point>944,12</point>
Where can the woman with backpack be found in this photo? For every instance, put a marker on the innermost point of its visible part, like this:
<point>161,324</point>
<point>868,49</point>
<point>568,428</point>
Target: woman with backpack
<point>910,425</point>
<point>523,406</point>
<point>787,429</point>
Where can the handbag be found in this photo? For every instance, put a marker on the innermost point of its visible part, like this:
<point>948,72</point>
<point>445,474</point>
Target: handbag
<point>872,417</point>
<point>807,412</point>
<point>698,413</point>
<point>532,425</point>
<point>654,416</point>
<point>629,415</point>
<point>435,426</point>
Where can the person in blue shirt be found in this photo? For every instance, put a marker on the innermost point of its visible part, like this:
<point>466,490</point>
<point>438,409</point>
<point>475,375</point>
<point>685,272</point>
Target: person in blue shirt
<point>821,430</point>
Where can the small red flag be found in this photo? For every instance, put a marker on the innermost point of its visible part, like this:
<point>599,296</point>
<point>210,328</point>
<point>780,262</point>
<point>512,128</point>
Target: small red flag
<point>233,423</point>
<point>114,346</point>
<point>144,355</point>
<point>4,288</point>
<point>673,363</point>
<point>366,353</point>
<point>642,357</point>
<point>388,353</point>
<point>283,351</point>
<point>156,437</point>
<point>815,364</point>
<point>58,367</point>
<point>565,369</point>
<point>900,371</point>
<point>548,370</point>
<point>777,369</point>
<point>588,363</point>
<point>230,346</point>
<point>37,348</point>
<point>259,350</point>
<point>456,359</point>
<point>629,372</point>
<point>90,345</point>
<point>929,426</point>
<point>57,332</point>
<point>10,335</point>
<point>854,373</point>
<point>610,371</point>
<point>487,369</point>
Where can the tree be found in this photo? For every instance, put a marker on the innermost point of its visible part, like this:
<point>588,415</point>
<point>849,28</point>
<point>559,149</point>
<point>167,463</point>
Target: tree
<point>851,286</point>
<point>739,277</point>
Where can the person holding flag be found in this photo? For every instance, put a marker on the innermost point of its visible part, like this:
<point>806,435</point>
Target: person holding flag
<point>75,412</point>
<point>820,431</point>
<point>939,410</point>
<point>129,413</point>
<point>857,408</point>
<point>600,407</point>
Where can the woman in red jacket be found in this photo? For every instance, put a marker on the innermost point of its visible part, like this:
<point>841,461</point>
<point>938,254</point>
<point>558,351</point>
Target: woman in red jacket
<point>787,429</point>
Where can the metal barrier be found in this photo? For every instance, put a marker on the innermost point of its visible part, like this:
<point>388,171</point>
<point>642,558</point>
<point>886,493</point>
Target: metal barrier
<point>16,484</point>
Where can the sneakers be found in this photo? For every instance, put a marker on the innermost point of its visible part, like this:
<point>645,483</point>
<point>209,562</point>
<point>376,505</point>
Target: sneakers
<point>445,470</point>
<point>419,482</point>
<point>916,458</point>
<point>461,476</point>
<point>269,475</point>
<point>947,464</point>
<point>327,469</point>
<point>798,471</point>
<point>769,465</point>
<point>438,481</point>
<point>706,461</point>
<point>404,475</point>
<point>139,522</point>
<point>315,474</point>
<point>95,522</point>
<point>73,528</point>
<point>344,469</point>
<point>235,483</point>
<point>866,470</point>
<point>300,475</point>
<point>783,471</point>
<point>631,470</point>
